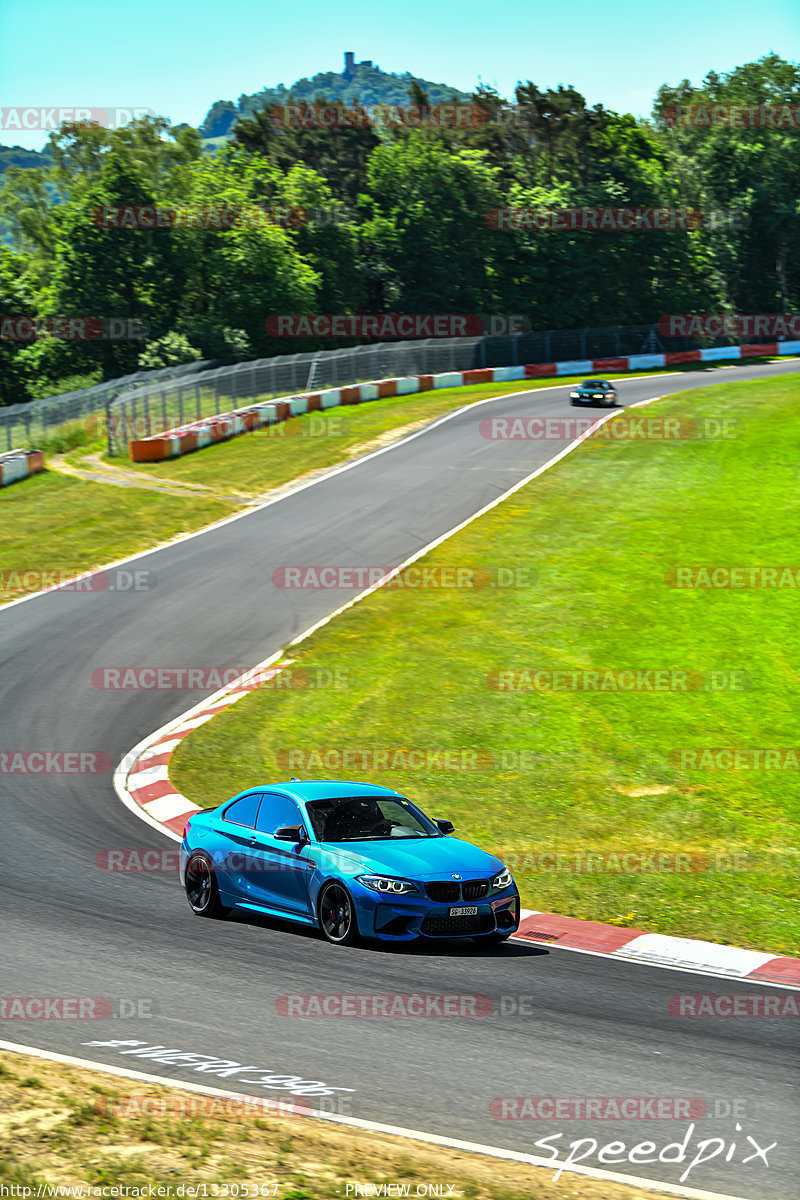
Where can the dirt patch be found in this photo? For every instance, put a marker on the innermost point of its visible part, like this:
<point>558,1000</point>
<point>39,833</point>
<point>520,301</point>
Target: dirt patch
<point>69,1126</point>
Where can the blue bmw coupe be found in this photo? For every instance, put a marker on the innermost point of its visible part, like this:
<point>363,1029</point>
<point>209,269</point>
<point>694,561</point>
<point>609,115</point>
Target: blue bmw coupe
<point>354,859</point>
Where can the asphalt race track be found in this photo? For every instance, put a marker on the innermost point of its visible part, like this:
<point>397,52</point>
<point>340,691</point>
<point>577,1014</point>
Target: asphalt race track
<point>594,1027</point>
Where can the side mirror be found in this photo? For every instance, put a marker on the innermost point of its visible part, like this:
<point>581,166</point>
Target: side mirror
<point>291,833</point>
<point>444,826</point>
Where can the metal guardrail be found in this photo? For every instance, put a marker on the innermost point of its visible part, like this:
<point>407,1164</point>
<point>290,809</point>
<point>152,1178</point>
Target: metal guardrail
<point>22,424</point>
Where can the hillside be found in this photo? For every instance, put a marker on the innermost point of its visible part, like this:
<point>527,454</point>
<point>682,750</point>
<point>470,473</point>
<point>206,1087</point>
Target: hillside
<point>363,80</point>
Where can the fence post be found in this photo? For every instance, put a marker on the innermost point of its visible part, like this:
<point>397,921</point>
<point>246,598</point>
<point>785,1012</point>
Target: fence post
<point>199,403</point>
<point>180,405</point>
<point>163,409</point>
<point>109,438</point>
<point>216,393</point>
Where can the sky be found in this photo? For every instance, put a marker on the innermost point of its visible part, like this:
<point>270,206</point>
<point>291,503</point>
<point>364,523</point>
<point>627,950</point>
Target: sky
<point>178,58</point>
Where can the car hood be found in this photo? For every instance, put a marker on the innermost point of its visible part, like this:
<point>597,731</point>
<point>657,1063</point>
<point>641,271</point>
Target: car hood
<point>423,858</point>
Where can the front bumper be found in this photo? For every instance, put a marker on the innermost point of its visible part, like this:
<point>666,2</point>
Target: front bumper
<point>404,918</point>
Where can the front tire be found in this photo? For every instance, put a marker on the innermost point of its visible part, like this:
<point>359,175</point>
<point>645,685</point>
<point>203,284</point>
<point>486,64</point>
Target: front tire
<point>337,915</point>
<point>202,891</point>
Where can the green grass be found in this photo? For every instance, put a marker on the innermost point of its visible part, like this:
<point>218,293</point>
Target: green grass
<point>54,522</point>
<point>598,533</point>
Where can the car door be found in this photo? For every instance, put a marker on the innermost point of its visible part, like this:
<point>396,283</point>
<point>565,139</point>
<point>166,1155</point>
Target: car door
<point>281,871</point>
<point>233,842</point>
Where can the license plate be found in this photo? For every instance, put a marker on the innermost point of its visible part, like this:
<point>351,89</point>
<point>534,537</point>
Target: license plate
<point>464,912</point>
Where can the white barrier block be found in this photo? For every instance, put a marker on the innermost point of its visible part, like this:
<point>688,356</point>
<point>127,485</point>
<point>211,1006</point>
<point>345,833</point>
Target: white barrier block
<point>267,414</point>
<point>14,469</point>
<point>368,391</point>
<point>788,347</point>
<point>407,385</point>
<point>716,352</point>
<point>330,398</point>
<point>576,366</point>
<point>508,374</point>
<point>203,437</point>
<point>298,405</point>
<point>640,362</point>
<point>449,379</point>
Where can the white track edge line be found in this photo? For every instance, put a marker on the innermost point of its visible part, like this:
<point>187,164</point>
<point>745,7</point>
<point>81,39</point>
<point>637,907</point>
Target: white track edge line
<point>376,1127</point>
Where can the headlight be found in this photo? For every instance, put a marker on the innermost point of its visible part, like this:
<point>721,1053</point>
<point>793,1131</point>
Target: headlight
<point>387,885</point>
<point>598,395</point>
<point>503,880</point>
<point>574,395</point>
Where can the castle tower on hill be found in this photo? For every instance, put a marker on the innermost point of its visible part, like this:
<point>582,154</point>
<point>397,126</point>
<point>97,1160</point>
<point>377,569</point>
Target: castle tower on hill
<point>350,63</point>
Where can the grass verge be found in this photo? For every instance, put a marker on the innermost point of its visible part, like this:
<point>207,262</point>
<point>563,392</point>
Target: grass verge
<point>583,772</point>
<point>55,1129</point>
<point>52,522</point>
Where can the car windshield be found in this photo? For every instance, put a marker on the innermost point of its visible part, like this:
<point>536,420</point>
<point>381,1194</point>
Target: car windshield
<point>368,819</point>
<point>593,383</point>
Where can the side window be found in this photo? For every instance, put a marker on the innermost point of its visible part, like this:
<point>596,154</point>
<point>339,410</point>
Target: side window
<point>243,811</point>
<point>276,811</point>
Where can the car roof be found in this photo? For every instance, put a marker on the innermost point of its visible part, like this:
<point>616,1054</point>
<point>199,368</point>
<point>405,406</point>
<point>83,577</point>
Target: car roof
<point>324,789</point>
